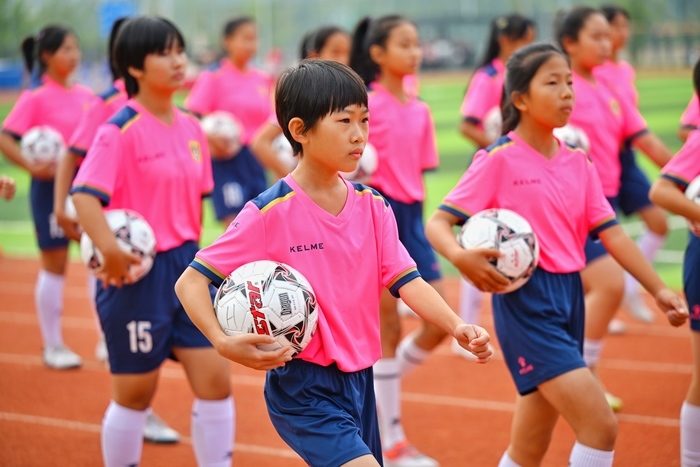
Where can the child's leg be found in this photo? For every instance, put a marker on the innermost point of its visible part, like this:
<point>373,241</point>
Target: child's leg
<point>690,413</point>
<point>122,425</point>
<point>48,294</point>
<point>531,430</point>
<point>213,425</point>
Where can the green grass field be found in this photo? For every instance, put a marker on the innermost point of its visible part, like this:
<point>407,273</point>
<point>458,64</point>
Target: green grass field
<point>662,98</point>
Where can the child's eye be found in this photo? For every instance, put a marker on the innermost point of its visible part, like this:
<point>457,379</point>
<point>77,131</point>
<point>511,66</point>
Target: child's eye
<point>365,120</point>
<point>344,120</point>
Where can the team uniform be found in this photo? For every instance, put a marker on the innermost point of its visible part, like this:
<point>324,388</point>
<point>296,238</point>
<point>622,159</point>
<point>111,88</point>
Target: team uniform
<point>608,122</point>
<point>246,95</point>
<point>162,172</point>
<point>322,402</point>
<point>540,326</point>
<point>60,108</point>
<point>681,170</point>
<point>690,119</point>
<point>403,135</point>
<point>484,93</point>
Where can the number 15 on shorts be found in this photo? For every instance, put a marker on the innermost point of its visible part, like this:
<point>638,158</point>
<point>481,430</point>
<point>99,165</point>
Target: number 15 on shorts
<point>140,339</point>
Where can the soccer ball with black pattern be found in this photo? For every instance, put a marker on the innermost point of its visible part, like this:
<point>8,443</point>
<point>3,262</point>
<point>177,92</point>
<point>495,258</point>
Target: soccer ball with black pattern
<point>692,192</point>
<point>512,235</point>
<point>267,297</point>
<point>134,235</point>
<point>42,144</point>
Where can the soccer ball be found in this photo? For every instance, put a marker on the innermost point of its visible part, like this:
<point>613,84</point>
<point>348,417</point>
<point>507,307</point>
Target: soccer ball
<point>512,235</point>
<point>366,166</point>
<point>267,297</point>
<point>573,136</point>
<point>285,152</point>
<point>134,235</point>
<point>224,125</point>
<point>493,124</point>
<point>69,208</point>
<point>692,192</point>
<point>42,144</point>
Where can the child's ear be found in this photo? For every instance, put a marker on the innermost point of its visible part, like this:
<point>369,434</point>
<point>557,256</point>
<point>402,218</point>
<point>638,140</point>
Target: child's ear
<point>518,101</point>
<point>135,72</point>
<point>298,130</point>
<point>377,53</point>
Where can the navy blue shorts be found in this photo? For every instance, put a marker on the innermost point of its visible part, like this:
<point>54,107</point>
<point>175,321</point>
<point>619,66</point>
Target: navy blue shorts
<point>634,185</point>
<point>594,249</point>
<point>236,181</point>
<point>540,328</point>
<point>691,280</point>
<point>49,234</point>
<point>143,321</point>
<point>327,416</point>
<point>409,220</point>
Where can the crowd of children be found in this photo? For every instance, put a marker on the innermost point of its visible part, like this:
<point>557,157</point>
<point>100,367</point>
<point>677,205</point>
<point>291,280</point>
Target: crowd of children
<point>132,148</point>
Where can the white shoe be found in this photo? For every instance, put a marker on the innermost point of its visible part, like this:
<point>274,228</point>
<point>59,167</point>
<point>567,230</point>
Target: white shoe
<point>61,358</point>
<point>101,353</point>
<point>156,431</point>
<point>461,351</point>
<point>405,310</point>
<point>403,454</point>
<point>637,309</point>
<point>616,326</point>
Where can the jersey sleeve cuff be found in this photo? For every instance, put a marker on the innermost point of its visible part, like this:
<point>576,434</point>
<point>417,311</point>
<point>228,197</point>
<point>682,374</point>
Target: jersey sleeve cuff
<point>103,196</point>
<point>78,151</point>
<point>636,135</point>
<point>676,179</point>
<point>688,126</point>
<point>15,136</point>
<point>401,280</point>
<point>455,211</point>
<point>208,271</point>
<point>471,119</point>
<point>602,225</point>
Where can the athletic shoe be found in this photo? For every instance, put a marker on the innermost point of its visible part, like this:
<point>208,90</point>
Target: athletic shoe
<point>61,358</point>
<point>614,402</point>
<point>617,326</point>
<point>101,351</point>
<point>403,454</point>
<point>637,309</point>
<point>461,351</point>
<point>156,431</point>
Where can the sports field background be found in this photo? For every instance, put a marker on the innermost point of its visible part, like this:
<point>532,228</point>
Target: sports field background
<point>663,97</point>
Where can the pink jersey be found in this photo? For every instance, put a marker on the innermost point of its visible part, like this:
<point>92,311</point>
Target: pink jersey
<point>685,165</point>
<point>691,116</point>
<point>608,122</point>
<point>49,104</point>
<point>245,94</point>
<point>283,224</point>
<point>485,91</point>
<point>161,171</point>
<point>101,108</point>
<point>404,136</point>
<point>619,77</point>
<point>561,197</point>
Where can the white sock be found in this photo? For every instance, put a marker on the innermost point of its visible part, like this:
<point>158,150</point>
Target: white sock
<point>409,355</point>
<point>213,431</point>
<point>506,461</point>
<point>649,243</point>
<point>690,435</point>
<point>584,456</point>
<point>122,435</point>
<point>48,296</point>
<point>387,389</point>
<point>469,302</point>
<point>592,349</point>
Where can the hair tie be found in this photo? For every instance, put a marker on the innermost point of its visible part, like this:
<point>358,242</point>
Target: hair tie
<point>501,22</point>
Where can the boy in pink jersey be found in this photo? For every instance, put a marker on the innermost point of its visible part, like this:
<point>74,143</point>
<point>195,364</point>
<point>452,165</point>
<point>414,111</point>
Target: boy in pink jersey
<point>152,158</point>
<point>507,34</point>
<point>322,401</point>
<point>690,120</point>
<point>238,88</point>
<point>58,103</point>
<point>540,325</point>
<point>667,192</point>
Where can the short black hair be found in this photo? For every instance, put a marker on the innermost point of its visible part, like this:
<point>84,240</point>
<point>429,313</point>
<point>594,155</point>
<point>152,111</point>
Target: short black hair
<point>233,25</point>
<point>315,40</point>
<point>141,36</point>
<point>568,23</point>
<point>314,89</point>
<point>49,39</point>
<point>611,11</point>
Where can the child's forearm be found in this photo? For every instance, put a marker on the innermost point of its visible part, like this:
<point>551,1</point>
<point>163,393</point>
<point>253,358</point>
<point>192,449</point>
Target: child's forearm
<point>192,289</point>
<point>666,194</point>
<point>422,298</point>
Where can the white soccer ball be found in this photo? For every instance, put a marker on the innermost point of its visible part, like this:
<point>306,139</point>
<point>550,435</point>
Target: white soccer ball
<point>366,166</point>
<point>134,235</point>
<point>69,208</point>
<point>271,298</point>
<point>692,192</point>
<point>42,144</point>
<point>512,235</point>
<point>224,125</point>
<point>285,152</point>
<point>573,136</point>
<point>493,124</point>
